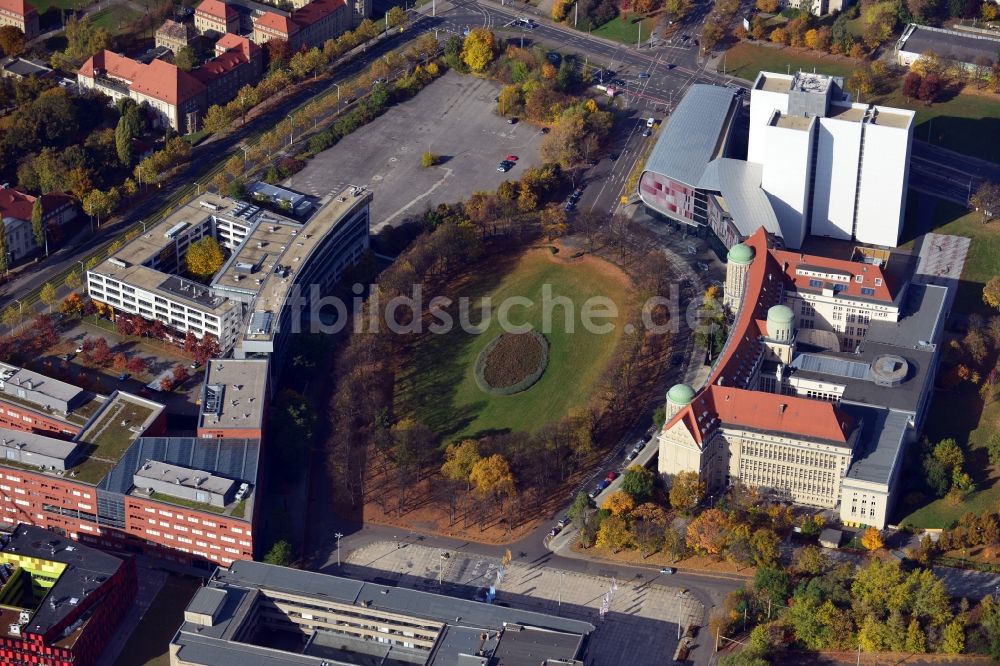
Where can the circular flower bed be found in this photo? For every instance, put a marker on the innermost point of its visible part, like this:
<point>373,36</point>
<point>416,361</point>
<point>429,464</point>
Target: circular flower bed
<point>512,362</point>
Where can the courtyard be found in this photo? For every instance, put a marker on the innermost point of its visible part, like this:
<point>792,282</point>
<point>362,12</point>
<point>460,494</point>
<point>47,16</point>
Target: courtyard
<point>455,118</point>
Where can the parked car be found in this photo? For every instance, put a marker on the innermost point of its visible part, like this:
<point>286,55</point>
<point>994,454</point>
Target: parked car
<point>648,436</point>
<point>504,166</point>
<point>632,455</point>
<point>78,350</point>
<point>647,132</point>
<point>670,65</point>
<point>512,121</point>
<point>570,206</point>
<point>563,522</point>
<point>643,75</point>
<point>122,377</point>
<point>511,158</point>
<point>667,570</point>
<point>611,476</point>
<point>68,357</point>
<point>555,530</point>
<point>545,130</point>
<point>194,365</point>
<point>603,484</point>
<point>591,162</point>
<point>640,445</point>
<point>554,57</point>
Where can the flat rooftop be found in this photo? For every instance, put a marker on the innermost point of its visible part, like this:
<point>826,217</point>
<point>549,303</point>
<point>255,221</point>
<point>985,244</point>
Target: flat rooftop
<point>810,82</point>
<point>853,113</point>
<point>769,82</point>
<point>522,637</point>
<point>233,395</point>
<point>83,569</point>
<point>155,470</point>
<point>259,255</point>
<point>951,44</point>
<point>122,421</point>
<point>235,459</point>
<point>801,123</point>
<point>275,287</point>
<point>889,117</point>
<point>31,444</point>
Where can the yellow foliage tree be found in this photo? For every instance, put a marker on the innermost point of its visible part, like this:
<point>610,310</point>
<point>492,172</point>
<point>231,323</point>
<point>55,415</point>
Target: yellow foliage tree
<point>559,10</point>
<point>492,478</point>
<point>460,459</point>
<point>779,36</point>
<point>872,539</point>
<point>204,257</point>
<point>991,292</point>
<point>619,504</point>
<point>614,534</point>
<point>477,51</point>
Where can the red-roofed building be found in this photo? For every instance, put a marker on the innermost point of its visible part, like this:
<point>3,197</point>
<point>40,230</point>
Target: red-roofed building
<point>824,379</point>
<point>180,97</point>
<point>309,26</point>
<point>21,15</point>
<point>217,17</point>
<point>16,207</point>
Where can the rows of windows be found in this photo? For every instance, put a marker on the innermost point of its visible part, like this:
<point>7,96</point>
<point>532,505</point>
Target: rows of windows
<point>784,454</point>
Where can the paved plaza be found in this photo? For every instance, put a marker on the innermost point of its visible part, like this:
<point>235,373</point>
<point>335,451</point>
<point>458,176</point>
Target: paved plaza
<point>639,629</point>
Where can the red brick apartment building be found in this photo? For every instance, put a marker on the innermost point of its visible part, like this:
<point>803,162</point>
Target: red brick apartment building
<point>101,470</point>
<point>60,602</point>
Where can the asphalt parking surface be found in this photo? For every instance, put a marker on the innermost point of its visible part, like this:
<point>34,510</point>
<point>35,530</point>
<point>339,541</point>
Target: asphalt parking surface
<point>455,118</point>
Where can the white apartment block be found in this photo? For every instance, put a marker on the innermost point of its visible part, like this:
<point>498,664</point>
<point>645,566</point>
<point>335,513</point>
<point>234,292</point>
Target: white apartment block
<point>830,167</point>
<point>244,304</point>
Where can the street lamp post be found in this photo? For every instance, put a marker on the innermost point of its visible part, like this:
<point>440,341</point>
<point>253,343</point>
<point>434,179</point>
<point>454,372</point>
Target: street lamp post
<point>338,536</point>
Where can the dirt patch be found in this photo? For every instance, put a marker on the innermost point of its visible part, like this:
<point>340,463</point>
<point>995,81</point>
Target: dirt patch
<point>512,362</point>
<point>567,253</point>
<point>691,564</point>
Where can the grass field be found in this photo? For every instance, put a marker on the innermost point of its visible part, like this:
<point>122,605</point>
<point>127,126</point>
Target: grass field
<point>983,261</point>
<point>625,31</point>
<point>147,646</point>
<point>962,123</point>
<point>439,385</point>
<point>42,6</point>
<point>114,19</point>
<point>745,60</point>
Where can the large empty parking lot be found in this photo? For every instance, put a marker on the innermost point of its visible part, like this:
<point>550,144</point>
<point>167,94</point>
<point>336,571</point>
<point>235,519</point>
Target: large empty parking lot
<point>455,118</point>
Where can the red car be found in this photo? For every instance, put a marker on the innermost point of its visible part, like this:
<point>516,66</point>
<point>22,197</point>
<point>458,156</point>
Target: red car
<point>511,158</point>
<point>612,476</point>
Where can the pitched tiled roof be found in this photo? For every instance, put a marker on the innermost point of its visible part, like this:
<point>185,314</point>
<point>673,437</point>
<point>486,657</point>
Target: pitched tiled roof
<point>175,30</point>
<point>17,204</point>
<point>316,10</point>
<point>869,274</point>
<point>275,23</point>
<point>166,82</point>
<point>19,7</point>
<point>111,64</point>
<point>216,9</point>
<point>757,411</point>
<point>218,66</point>
<point>231,42</point>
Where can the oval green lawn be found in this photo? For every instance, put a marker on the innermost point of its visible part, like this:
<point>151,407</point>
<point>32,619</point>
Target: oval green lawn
<point>438,384</point>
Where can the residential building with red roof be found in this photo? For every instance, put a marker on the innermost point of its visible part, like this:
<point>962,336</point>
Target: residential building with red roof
<point>16,207</point>
<point>215,16</point>
<point>181,98</point>
<point>309,26</point>
<point>823,382</point>
<point>21,15</point>
<point>174,35</point>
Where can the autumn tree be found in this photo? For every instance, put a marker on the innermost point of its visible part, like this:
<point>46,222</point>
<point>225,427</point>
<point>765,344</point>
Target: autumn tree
<point>649,523</point>
<point>553,221</point>
<point>812,560</point>
<point>639,482</point>
<point>687,491</point>
<point>11,40</point>
<point>477,50</point>
<point>768,6</point>
<point>460,459</point>
<point>72,306</point>
<point>204,257</point>
<point>764,547</point>
<point>708,532</point>
<point>911,85</point>
<point>986,201</point>
<point>991,292</point>
<point>619,504</point>
<point>492,478</point>
<point>396,16</point>
<point>614,534</point>
<point>872,539</point>
<point>100,204</point>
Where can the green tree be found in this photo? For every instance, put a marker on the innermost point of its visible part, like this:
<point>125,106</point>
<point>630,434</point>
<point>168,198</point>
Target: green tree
<point>580,508</point>
<point>873,635</point>
<point>123,142</point>
<point>100,204</point>
<point>812,561</point>
<point>774,584</point>
<point>204,257</point>
<point>3,247</point>
<point>954,637</point>
<point>686,492</point>
<point>37,223</point>
<point>744,658</point>
<point>989,622</point>
<point>764,547</point>
<point>280,554</point>
<point>216,119</point>
<point>396,16</point>
<point>72,281</point>
<point>949,454</point>
<point>639,482</point>
<point>916,641</point>
<point>47,295</point>
<point>186,59</point>
<point>878,589</point>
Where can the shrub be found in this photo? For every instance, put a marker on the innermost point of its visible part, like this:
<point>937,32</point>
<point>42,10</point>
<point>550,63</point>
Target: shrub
<point>429,159</point>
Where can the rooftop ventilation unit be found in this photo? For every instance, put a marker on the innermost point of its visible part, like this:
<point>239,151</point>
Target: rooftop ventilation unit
<point>209,205</point>
<point>115,261</point>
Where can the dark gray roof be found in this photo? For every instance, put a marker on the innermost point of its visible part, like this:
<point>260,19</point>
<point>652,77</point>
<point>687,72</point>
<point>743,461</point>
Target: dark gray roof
<point>883,433</point>
<point>236,459</point>
<point>921,319</point>
<point>739,183</point>
<point>86,568</point>
<point>207,601</point>
<point>23,67</point>
<point>690,138</point>
<point>951,44</point>
<point>341,648</point>
<point>464,620</point>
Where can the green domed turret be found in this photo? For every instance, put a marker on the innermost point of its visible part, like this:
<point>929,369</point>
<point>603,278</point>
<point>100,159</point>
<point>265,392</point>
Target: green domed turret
<point>740,254</point>
<point>680,394</point>
<point>780,322</point>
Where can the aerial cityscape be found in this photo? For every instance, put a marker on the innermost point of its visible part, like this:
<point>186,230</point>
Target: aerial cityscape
<point>499,332</point>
